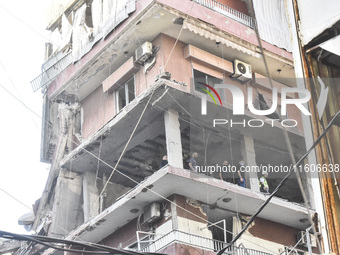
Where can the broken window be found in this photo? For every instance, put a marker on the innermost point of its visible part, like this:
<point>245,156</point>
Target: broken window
<point>262,103</point>
<point>88,15</point>
<point>125,94</point>
<point>200,77</point>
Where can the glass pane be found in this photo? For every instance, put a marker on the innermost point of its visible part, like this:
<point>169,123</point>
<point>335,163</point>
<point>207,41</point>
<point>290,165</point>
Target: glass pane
<point>131,88</point>
<point>200,77</point>
<point>121,97</point>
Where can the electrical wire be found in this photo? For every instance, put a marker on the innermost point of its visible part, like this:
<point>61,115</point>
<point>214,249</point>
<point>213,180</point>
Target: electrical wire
<point>285,133</point>
<point>166,199</point>
<point>178,36</point>
<point>11,81</point>
<point>44,240</point>
<point>174,45</point>
<point>126,145</point>
<point>145,107</point>
<point>120,171</point>
<point>115,169</point>
<point>23,22</point>
<point>16,199</point>
<point>291,171</point>
<point>297,243</point>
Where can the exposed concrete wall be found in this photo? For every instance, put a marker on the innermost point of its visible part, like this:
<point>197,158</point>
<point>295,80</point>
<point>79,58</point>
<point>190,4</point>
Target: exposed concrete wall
<point>112,192</point>
<point>173,138</point>
<point>90,196</point>
<point>67,208</point>
<point>249,156</point>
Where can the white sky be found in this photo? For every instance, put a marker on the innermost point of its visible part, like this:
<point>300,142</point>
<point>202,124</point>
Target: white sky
<point>21,54</point>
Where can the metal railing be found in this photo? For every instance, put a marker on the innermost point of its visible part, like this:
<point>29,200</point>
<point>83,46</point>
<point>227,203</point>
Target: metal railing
<point>228,12</point>
<point>49,74</point>
<point>177,236</point>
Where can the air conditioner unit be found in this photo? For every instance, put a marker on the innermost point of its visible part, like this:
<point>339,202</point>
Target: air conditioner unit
<point>143,53</point>
<point>303,236</point>
<point>151,213</point>
<point>242,71</point>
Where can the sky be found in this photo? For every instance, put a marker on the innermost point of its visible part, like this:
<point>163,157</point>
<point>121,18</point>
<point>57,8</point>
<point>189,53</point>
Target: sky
<point>22,44</point>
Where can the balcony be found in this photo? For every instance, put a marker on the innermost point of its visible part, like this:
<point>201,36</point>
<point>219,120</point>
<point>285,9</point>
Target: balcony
<point>177,236</point>
<point>49,74</point>
<point>228,12</point>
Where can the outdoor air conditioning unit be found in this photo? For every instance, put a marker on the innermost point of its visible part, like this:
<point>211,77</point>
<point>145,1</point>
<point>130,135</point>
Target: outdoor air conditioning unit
<point>151,213</point>
<point>143,53</point>
<point>242,71</point>
<point>303,236</point>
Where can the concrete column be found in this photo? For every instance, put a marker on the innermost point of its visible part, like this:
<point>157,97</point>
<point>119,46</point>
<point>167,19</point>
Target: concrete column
<point>173,138</point>
<point>90,196</point>
<point>248,154</point>
<point>66,212</point>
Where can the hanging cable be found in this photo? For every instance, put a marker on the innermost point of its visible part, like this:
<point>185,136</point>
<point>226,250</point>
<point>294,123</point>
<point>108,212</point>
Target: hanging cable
<point>93,248</point>
<point>126,176</point>
<point>16,199</point>
<point>291,171</point>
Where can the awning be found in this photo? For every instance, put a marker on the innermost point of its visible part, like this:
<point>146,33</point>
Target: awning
<point>200,30</point>
<point>316,16</point>
<point>272,22</point>
<point>332,45</point>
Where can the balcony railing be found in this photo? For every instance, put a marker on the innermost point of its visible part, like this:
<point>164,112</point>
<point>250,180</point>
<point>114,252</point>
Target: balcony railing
<point>49,74</point>
<point>177,236</point>
<point>228,12</point>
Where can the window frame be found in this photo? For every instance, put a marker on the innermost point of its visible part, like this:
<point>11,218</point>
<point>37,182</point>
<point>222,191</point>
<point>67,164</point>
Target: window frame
<point>127,99</point>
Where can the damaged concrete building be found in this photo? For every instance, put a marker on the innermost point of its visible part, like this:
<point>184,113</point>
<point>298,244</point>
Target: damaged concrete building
<point>127,82</point>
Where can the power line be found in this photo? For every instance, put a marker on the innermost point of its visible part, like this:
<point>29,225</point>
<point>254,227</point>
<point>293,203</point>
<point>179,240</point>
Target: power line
<point>16,199</point>
<point>150,97</point>
<point>23,22</point>
<point>291,171</point>
<point>179,34</point>
<point>126,145</point>
<point>92,248</point>
<point>126,176</point>
<point>10,79</point>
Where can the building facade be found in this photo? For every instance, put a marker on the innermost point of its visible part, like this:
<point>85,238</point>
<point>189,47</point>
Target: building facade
<point>126,83</point>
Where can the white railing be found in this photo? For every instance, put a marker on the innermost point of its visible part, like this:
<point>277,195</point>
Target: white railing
<point>177,236</point>
<point>228,12</point>
<point>51,73</point>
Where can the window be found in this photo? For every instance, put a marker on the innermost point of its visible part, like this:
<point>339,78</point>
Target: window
<point>200,77</point>
<point>262,103</point>
<point>125,94</point>
<point>204,78</point>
